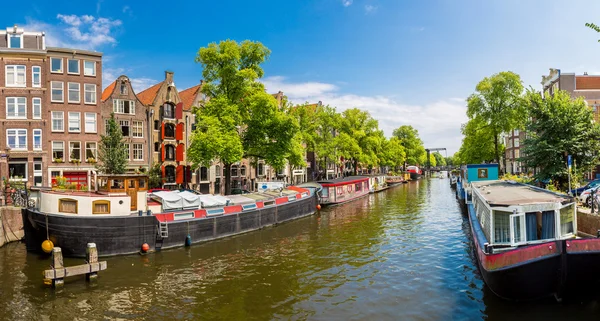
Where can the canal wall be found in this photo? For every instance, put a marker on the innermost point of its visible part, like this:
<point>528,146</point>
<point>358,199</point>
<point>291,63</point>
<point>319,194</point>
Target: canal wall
<point>11,225</point>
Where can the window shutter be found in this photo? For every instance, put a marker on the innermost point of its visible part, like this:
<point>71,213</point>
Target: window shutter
<point>179,111</point>
<point>164,174</point>
<point>179,174</point>
<point>179,131</point>
<point>179,152</point>
<point>162,131</point>
<point>162,150</point>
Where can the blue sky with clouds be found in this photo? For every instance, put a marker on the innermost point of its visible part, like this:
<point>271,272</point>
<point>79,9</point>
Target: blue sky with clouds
<point>407,62</point>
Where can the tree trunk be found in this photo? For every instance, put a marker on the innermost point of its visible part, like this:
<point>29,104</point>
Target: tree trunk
<point>228,179</point>
<point>355,167</point>
<point>497,152</point>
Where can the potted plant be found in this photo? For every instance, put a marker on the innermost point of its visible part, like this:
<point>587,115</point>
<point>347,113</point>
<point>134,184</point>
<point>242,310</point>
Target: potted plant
<point>91,160</point>
<point>75,161</point>
<point>58,160</point>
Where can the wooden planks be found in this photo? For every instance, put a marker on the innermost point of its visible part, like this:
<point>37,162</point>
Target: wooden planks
<point>55,276</point>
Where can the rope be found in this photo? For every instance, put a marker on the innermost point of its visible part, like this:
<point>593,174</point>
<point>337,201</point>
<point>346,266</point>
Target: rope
<point>47,234</point>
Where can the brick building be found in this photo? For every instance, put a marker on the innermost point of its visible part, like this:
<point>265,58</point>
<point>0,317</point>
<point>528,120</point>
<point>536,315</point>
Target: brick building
<point>168,132</point>
<point>23,106</point>
<point>131,115</point>
<point>74,79</point>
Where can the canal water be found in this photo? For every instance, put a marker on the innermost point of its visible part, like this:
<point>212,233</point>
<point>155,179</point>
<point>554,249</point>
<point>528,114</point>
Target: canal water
<point>403,254</point>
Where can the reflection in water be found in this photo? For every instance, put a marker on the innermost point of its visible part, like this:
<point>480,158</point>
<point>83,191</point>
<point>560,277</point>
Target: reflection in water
<point>401,254</point>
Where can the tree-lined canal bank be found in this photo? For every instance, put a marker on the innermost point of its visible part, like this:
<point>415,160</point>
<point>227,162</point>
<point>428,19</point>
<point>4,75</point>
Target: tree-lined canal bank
<point>403,254</point>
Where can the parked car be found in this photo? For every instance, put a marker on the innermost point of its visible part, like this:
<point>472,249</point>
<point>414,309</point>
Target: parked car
<point>580,190</point>
<point>585,195</point>
<point>236,191</point>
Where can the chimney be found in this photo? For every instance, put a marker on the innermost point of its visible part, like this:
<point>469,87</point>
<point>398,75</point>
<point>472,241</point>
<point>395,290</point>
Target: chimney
<point>585,73</point>
<point>168,76</point>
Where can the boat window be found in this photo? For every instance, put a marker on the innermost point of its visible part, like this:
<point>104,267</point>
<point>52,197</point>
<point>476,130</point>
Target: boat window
<point>117,184</point>
<point>540,225</point>
<point>325,192</point>
<point>501,227</point>
<point>482,173</point>
<point>292,198</point>
<point>357,187</point>
<point>142,183</point>
<point>340,190</point>
<point>268,203</point>
<point>103,183</point>
<point>248,207</point>
<point>183,216</point>
<point>517,228</point>
<point>131,183</point>
<point>101,207</point>
<point>67,205</point>
<point>566,220</point>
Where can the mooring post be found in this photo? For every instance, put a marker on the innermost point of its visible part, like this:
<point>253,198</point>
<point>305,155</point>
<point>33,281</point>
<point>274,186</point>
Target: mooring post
<point>58,267</point>
<point>91,255</point>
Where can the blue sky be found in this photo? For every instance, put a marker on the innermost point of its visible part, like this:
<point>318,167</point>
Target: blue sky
<point>407,62</point>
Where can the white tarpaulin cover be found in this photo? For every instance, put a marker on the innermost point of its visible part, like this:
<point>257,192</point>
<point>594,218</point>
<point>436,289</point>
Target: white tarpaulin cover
<point>212,200</point>
<point>190,200</point>
<point>239,199</point>
<point>169,200</point>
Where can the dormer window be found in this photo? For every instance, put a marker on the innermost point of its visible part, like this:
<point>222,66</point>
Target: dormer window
<point>15,41</point>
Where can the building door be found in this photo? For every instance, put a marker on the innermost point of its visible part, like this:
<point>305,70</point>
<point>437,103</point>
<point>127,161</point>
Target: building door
<point>132,192</point>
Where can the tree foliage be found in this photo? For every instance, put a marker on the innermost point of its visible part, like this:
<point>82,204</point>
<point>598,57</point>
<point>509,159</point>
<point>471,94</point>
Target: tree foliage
<point>593,27</point>
<point>359,137</point>
<point>439,159</point>
<point>413,145</point>
<point>112,152</point>
<point>240,119</point>
<point>560,126</point>
<point>498,104</point>
<point>477,144</point>
<point>155,176</point>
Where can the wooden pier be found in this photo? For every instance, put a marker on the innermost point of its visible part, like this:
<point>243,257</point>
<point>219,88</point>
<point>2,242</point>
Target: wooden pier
<point>58,272</point>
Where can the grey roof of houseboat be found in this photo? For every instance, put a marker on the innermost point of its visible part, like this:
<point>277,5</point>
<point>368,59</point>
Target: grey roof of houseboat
<point>342,179</point>
<point>501,192</point>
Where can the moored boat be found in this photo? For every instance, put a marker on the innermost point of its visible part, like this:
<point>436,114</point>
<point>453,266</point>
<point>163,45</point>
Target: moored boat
<point>394,180</point>
<point>117,218</point>
<point>377,183</point>
<point>526,242</point>
<point>345,189</point>
<point>415,172</point>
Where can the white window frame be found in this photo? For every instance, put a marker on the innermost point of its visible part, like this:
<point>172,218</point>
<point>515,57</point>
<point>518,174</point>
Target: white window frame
<point>16,115</point>
<point>38,173</point>
<point>80,152</point>
<point>78,67</point>
<point>78,92</point>
<point>559,222</point>
<point>61,70</point>
<point>140,150</point>
<point>33,74</point>
<point>84,68</point>
<point>23,179</point>
<point>91,91</point>
<point>33,107</point>
<point>72,113</point>
<point>521,217</point>
<point>15,72</point>
<point>18,147</point>
<point>95,149</point>
<point>133,127</point>
<point>37,132</point>
<point>62,121</point>
<point>62,89</point>
<point>63,148</point>
<point>18,35</point>
<point>95,124</point>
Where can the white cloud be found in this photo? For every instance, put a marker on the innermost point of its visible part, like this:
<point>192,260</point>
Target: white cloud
<point>346,3</point>
<point>139,84</point>
<point>438,122</point>
<point>370,9</point>
<point>88,31</point>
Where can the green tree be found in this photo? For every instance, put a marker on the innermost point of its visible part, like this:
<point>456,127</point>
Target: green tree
<point>413,145</point>
<point>393,153</point>
<point>449,161</point>
<point>361,133</point>
<point>240,120</point>
<point>432,160</point>
<point>155,176</point>
<point>439,159</point>
<point>593,27</point>
<point>561,126</point>
<point>498,103</point>
<point>476,145</point>
<point>112,152</point>
<point>327,140</point>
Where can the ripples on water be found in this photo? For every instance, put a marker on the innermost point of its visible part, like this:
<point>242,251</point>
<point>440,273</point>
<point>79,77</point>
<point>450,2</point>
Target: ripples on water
<point>404,254</point>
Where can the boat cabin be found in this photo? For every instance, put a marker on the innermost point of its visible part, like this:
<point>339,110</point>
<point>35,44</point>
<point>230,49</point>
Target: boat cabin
<point>344,189</point>
<point>117,194</point>
<point>477,173</point>
<point>512,214</point>
<point>377,182</point>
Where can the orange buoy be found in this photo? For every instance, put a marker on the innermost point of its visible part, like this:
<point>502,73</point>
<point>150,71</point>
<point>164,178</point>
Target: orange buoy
<point>47,246</point>
<point>318,206</point>
<point>145,247</point>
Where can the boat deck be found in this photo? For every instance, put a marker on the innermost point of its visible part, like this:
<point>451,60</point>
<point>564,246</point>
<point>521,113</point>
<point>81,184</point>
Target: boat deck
<point>511,193</point>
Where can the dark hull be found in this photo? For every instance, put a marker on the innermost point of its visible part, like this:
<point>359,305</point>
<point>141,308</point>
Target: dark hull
<point>125,235</point>
<point>415,176</point>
